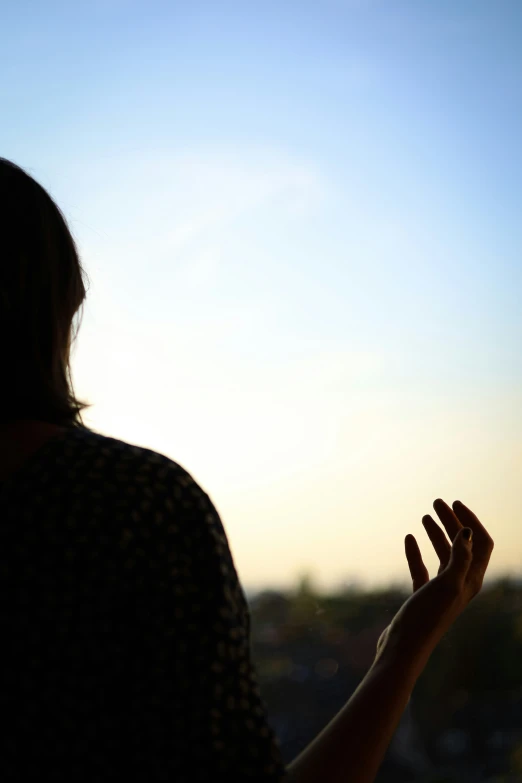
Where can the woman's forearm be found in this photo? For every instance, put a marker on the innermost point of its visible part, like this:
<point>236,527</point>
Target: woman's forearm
<point>351,747</point>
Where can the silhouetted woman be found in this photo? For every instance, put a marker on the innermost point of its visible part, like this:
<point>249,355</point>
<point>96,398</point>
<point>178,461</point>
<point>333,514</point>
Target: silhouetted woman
<point>125,631</point>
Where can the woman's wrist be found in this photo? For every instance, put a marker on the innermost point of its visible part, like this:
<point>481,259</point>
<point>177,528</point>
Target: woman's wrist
<point>402,656</point>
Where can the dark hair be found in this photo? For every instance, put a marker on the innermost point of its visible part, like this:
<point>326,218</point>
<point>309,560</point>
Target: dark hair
<point>41,289</point>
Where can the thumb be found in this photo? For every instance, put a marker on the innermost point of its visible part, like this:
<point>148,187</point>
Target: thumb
<point>461,553</point>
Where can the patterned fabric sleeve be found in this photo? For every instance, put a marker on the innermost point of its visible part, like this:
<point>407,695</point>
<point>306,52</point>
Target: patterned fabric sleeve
<point>195,623</point>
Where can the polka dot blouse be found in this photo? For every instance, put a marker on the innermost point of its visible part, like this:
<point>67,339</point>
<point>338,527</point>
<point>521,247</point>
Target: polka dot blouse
<point>124,628</point>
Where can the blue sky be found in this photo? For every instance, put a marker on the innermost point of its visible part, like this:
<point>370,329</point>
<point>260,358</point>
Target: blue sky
<point>301,224</point>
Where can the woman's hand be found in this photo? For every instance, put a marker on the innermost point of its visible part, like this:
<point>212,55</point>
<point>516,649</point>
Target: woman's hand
<point>424,618</point>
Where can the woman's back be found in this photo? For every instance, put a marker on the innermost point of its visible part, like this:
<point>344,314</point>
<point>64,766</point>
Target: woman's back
<point>126,629</point>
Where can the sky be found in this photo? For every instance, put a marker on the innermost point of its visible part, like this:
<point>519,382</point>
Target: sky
<point>300,226</point>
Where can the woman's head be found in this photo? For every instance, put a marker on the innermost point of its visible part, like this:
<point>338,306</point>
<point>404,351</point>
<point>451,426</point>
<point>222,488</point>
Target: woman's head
<point>41,290</point>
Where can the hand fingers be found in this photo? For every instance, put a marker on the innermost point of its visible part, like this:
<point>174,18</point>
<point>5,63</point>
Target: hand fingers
<point>468,519</point>
<point>418,571</point>
<point>461,556</point>
<point>482,542</point>
<point>439,540</point>
<point>448,518</point>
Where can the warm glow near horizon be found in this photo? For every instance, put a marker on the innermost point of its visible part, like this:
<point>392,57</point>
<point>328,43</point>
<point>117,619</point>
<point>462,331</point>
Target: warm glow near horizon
<point>308,473</point>
<point>301,228</point>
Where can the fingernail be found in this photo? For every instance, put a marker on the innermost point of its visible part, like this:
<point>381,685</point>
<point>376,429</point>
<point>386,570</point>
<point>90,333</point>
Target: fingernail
<point>467,534</point>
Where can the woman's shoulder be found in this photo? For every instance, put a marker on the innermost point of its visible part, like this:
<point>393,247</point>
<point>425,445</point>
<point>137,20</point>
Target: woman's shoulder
<point>161,496</point>
<point>151,484</point>
<point>124,459</point>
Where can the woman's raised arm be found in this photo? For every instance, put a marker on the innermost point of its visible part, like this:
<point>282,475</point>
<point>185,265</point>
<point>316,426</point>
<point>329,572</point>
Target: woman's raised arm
<point>351,747</point>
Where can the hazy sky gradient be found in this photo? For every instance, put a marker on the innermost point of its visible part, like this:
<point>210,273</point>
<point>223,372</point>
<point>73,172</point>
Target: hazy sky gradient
<point>301,223</point>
